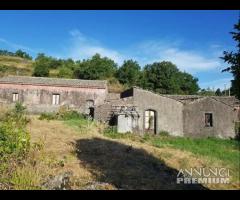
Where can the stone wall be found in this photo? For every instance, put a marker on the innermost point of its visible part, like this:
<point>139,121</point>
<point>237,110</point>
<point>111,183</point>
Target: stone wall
<point>168,111</point>
<point>224,117</point>
<point>38,98</point>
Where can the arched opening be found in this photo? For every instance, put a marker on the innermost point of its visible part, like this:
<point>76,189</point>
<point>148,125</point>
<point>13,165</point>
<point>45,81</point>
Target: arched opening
<point>150,121</point>
<point>90,108</point>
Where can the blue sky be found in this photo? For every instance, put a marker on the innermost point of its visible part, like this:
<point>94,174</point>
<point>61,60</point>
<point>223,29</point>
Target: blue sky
<point>193,40</point>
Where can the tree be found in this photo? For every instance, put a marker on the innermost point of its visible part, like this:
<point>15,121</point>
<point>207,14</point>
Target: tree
<point>233,60</point>
<point>48,61</point>
<point>207,92</point>
<point>162,77</point>
<point>188,83</point>
<point>218,92</point>
<point>23,54</point>
<point>65,72</point>
<point>41,66</point>
<point>129,73</point>
<point>95,68</point>
<point>40,70</point>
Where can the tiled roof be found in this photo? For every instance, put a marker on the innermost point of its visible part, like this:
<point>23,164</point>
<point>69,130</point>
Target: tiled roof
<point>28,80</point>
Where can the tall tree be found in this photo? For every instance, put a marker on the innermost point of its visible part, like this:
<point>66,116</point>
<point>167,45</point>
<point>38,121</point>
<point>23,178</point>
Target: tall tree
<point>129,73</point>
<point>233,60</point>
<point>162,77</point>
<point>95,68</point>
<point>218,92</point>
<point>188,84</point>
<point>41,66</point>
<point>23,54</point>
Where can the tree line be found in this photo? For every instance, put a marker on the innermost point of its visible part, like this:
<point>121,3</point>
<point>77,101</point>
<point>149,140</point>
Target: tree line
<point>162,77</point>
<point>18,53</point>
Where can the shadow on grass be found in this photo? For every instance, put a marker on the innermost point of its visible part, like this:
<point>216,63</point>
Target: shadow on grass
<point>126,167</point>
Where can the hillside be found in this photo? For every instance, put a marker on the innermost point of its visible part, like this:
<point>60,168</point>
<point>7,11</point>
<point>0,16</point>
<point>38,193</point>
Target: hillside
<point>10,65</point>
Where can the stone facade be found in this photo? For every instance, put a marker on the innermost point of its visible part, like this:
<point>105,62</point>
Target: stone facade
<point>134,110</point>
<point>224,118</point>
<point>182,115</point>
<point>38,95</point>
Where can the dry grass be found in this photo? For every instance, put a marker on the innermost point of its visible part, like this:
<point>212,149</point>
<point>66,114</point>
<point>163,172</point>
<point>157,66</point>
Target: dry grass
<point>93,157</point>
<point>16,62</point>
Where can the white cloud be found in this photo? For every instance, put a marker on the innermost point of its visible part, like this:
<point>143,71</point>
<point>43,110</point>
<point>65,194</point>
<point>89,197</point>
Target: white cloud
<point>83,47</point>
<point>220,83</point>
<point>147,52</point>
<point>186,60</point>
<point>16,46</point>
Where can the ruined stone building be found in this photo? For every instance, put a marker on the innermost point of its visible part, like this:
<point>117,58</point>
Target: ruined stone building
<point>134,110</point>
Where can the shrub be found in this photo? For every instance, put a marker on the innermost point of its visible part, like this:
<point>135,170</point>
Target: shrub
<point>40,70</point>
<point>164,133</point>
<point>14,138</point>
<point>47,116</point>
<point>62,114</point>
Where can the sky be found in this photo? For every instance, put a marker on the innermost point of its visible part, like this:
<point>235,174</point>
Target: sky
<point>192,40</point>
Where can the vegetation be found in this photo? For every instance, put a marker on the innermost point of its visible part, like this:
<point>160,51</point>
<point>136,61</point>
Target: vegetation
<point>14,142</point>
<point>72,142</point>
<point>62,114</point>
<point>18,53</point>
<point>165,78</point>
<point>95,68</point>
<point>233,60</point>
<point>129,73</point>
<point>215,149</point>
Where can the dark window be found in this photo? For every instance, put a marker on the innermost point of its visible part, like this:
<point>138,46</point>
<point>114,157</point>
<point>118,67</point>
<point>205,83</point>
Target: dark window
<point>208,119</point>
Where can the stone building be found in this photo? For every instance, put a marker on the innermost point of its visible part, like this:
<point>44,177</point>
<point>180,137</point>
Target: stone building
<point>186,115</point>
<point>134,110</point>
<point>48,94</point>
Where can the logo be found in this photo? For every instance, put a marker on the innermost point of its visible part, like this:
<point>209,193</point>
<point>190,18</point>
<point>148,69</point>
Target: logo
<point>203,176</point>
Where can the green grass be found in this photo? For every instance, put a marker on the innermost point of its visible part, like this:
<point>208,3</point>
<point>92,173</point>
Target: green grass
<point>227,151</point>
<point>224,150</point>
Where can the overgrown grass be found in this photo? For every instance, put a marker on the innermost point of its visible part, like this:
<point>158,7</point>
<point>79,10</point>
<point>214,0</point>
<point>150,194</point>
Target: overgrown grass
<point>73,119</point>
<point>227,151</point>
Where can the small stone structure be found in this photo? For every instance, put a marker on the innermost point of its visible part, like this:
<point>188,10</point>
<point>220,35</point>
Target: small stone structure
<point>127,119</point>
<point>134,110</point>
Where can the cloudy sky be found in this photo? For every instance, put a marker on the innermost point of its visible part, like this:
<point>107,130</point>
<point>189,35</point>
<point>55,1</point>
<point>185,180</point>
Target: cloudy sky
<point>193,40</point>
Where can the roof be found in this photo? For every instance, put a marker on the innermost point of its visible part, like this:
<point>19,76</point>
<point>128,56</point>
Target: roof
<point>43,81</point>
<point>185,99</point>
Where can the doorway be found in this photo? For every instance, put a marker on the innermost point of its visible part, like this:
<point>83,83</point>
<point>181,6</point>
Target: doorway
<point>150,119</point>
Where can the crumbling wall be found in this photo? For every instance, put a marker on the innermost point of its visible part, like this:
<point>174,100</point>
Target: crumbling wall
<point>40,97</point>
<point>224,118</point>
<point>169,111</point>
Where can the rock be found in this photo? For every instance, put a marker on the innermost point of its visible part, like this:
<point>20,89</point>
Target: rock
<point>99,186</point>
<point>59,182</point>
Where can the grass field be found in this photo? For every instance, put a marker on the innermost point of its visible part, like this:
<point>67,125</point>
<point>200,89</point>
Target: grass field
<point>100,158</point>
<point>128,161</point>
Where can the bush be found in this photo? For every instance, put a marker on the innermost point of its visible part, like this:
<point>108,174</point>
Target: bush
<point>47,116</point>
<point>164,133</point>
<point>40,70</point>
<point>62,114</point>
<point>14,138</point>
